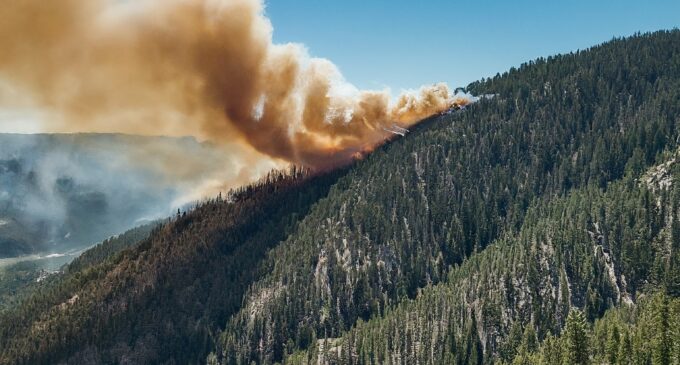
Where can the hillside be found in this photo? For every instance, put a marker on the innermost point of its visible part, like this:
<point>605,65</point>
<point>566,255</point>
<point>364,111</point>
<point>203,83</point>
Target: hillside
<point>150,303</point>
<point>552,198</point>
<point>419,207</point>
<point>20,279</point>
<point>587,250</point>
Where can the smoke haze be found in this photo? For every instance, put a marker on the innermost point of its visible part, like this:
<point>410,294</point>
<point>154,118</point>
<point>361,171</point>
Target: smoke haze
<point>205,68</point>
<point>66,191</point>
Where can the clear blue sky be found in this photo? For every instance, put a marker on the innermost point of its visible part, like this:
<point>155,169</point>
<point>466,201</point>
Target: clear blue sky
<point>404,44</point>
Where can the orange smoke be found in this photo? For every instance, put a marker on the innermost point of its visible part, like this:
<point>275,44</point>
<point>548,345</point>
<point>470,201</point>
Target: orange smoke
<point>206,68</point>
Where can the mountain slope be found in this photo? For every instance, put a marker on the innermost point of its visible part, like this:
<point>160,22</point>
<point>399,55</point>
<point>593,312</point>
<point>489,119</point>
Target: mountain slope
<point>464,226</point>
<point>19,280</point>
<point>160,300</point>
<point>426,202</point>
<point>573,251</point>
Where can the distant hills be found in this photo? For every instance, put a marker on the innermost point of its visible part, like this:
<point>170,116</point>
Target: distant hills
<point>64,191</point>
<point>540,226</point>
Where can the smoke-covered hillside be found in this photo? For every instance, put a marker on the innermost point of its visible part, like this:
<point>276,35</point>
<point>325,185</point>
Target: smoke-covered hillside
<point>524,229</point>
<point>61,192</point>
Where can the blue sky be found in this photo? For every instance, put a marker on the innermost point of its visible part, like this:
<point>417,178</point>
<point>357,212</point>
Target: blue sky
<point>405,44</point>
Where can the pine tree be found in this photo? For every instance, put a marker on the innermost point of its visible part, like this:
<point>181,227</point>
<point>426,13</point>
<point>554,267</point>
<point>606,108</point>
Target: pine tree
<point>513,342</point>
<point>673,270</point>
<point>576,350</point>
<point>625,350</point>
<point>474,352</point>
<point>529,340</point>
<point>661,350</point>
<point>613,345</point>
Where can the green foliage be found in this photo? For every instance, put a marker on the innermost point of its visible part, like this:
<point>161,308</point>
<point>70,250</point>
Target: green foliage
<point>613,345</point>
<point>558,250</point>
<point>662,341</point>
<point>110,247</point>
<point>576,347</point>
<point>15,281</point>
<point>20,280</point>
<point>634,326</point>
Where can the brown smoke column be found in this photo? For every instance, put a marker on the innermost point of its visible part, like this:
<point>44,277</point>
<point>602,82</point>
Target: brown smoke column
<point>206,68</point>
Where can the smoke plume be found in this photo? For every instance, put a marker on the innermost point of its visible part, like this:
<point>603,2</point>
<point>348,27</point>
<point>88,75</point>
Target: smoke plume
<point>206,68</point>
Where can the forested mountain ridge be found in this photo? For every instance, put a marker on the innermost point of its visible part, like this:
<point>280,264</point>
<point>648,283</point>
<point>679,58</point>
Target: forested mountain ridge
<point>555,193</point>
<point>421,205</point>
<point>572,252</point>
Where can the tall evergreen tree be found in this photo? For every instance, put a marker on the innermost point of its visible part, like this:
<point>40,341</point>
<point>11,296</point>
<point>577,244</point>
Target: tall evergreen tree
<point>662,345</point>
<point>613,345</point>
<point>576,343</point>
<point>625,353</point>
